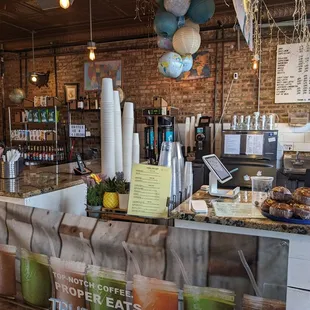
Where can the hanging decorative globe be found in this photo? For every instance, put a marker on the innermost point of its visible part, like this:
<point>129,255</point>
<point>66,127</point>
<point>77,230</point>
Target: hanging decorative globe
<point>164,43</point>
<point>165,24</point>
<point>181,21</point>
<point>177,7</point>
<point>170,65</point>
<point>186,41</point>
<point>187,62</point>
<point>17,95</point>
<point>200,11</point>
<point>189,23</point>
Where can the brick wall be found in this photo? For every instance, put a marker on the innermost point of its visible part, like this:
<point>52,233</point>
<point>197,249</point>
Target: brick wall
<point>141,80</point>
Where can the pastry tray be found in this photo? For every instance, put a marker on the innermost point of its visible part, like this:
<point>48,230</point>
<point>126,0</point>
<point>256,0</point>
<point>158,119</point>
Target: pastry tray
<point>282,219</point>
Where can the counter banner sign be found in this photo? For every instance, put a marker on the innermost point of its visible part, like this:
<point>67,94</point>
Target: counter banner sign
<point>52,260</point>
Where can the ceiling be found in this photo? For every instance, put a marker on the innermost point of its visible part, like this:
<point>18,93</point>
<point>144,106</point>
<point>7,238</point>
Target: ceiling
<point>112,19</point>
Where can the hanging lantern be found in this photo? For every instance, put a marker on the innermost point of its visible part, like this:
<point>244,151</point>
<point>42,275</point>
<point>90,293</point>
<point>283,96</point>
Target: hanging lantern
<point>200,11</point>
<point>189,23</point>
<point>165,24</point>
<point>170,65</point>
<point>187,62</point>
<point>177,7</point>
<point>164,43</point>
<point>186,41</point>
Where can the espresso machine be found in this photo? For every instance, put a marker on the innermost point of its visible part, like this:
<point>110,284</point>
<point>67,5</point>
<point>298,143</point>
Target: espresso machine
<point>203,147</point>
<point>203,138</point>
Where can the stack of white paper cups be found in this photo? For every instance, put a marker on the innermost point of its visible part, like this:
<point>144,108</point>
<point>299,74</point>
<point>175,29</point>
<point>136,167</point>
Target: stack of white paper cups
<point>118,133</point>
<point>136,149</point>
<point>107,128</point>
<point>128,124</point>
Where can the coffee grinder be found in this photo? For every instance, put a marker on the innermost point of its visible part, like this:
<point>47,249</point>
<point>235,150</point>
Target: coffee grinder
<point>203,138</point>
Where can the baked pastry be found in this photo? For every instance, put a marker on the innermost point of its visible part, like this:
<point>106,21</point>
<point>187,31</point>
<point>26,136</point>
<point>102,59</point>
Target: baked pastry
<point>267,204</point>
<point>302,211</point>
<point>302,195</point>
<point>281,209</point>
<point>281,193</point>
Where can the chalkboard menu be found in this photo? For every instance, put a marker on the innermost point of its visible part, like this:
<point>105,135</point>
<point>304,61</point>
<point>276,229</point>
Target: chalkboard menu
<point>293,73</point>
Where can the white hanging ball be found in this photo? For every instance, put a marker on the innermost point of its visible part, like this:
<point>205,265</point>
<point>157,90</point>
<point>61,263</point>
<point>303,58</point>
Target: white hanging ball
<point>187,62</point>
<point>190,23</point>
<point>177,7</point>
<point>186,40</point>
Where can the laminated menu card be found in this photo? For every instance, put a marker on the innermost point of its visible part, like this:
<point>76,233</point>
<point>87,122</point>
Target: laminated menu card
<point>149,191</point>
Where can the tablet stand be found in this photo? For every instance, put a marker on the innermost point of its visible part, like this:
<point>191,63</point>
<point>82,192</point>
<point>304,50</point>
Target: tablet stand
<point>214,191</point>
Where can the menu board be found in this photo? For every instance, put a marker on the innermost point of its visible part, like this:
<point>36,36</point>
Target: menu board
<point>293,73</point>
<point>149,191</point>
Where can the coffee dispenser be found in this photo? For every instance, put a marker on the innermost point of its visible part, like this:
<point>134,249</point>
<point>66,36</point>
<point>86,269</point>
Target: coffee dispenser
<point>203,138</point>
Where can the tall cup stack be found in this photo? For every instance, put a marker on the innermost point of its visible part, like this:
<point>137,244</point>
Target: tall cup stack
<point>118,133</point>
<point>187,134</point>
<point>107,120</point>
<point>128,125</point>
<point>136,149</point>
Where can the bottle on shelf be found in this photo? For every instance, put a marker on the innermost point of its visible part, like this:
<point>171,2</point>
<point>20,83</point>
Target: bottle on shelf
<point>80,103</point>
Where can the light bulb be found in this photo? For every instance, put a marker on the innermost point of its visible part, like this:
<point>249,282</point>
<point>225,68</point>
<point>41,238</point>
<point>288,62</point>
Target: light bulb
<point>34,78</point>
<point>64,4</point>
<point>255,65</point>
<point>92,55</point>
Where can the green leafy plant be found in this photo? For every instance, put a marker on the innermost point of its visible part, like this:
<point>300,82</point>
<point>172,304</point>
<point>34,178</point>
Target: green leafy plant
<point>122,187</point>
<point>95,194</point>
<point>109,185</point>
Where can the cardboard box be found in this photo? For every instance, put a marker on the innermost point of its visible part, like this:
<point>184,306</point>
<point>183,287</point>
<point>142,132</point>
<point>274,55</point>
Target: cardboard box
<point>49,136</point>
<point>159,102</point>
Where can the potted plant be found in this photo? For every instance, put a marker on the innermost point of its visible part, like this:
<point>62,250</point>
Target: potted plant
<point>94,195</point>
<point>110,197</point>
<point>123,190</point>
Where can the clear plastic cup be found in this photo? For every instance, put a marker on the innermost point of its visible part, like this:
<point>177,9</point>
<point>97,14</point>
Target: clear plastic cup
<point>202,298</point>
<point>261,186</point>
<point>154,294</point>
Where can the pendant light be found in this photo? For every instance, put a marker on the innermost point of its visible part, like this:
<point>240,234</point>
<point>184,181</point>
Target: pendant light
<point>34,75</point>
<point>65,4</point>
<point>91,46</point>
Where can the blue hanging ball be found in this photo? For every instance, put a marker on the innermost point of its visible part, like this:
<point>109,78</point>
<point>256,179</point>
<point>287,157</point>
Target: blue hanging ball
<point>200,11</point>
<point>165,24</point>
<point>181,21</point>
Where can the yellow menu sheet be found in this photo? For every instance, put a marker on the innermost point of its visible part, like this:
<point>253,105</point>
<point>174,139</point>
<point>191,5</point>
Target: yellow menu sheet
<point>149,191</point>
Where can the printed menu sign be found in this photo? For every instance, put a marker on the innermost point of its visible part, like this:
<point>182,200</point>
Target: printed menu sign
<point>149,191</point>
<point>293,73</point>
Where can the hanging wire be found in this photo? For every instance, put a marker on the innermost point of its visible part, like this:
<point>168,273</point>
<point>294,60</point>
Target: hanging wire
<point>33,61</point>
<point>90,21</point>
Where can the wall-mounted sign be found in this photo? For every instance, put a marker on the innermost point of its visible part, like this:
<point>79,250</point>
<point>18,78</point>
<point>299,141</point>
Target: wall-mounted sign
<point>77,131</point>
<point>293,73</point>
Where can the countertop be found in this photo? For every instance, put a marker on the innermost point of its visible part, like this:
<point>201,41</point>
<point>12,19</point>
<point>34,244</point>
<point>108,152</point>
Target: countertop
<point>183,212</point>
<point>36,181</point>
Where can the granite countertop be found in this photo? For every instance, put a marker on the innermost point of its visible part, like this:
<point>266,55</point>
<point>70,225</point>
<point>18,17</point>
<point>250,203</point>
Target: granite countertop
<point>184,212</point>
<point>36,181</point>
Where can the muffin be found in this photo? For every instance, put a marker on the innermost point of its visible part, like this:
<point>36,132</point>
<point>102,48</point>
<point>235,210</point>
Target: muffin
<point>267,204</point>
<point>281,193</point>
<point>281,209</point>
<point>302,195</point>
<point>302,211</point>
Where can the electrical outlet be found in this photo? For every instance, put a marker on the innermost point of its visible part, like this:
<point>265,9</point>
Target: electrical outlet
<point>288,147</point>
<point>236,75</point>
